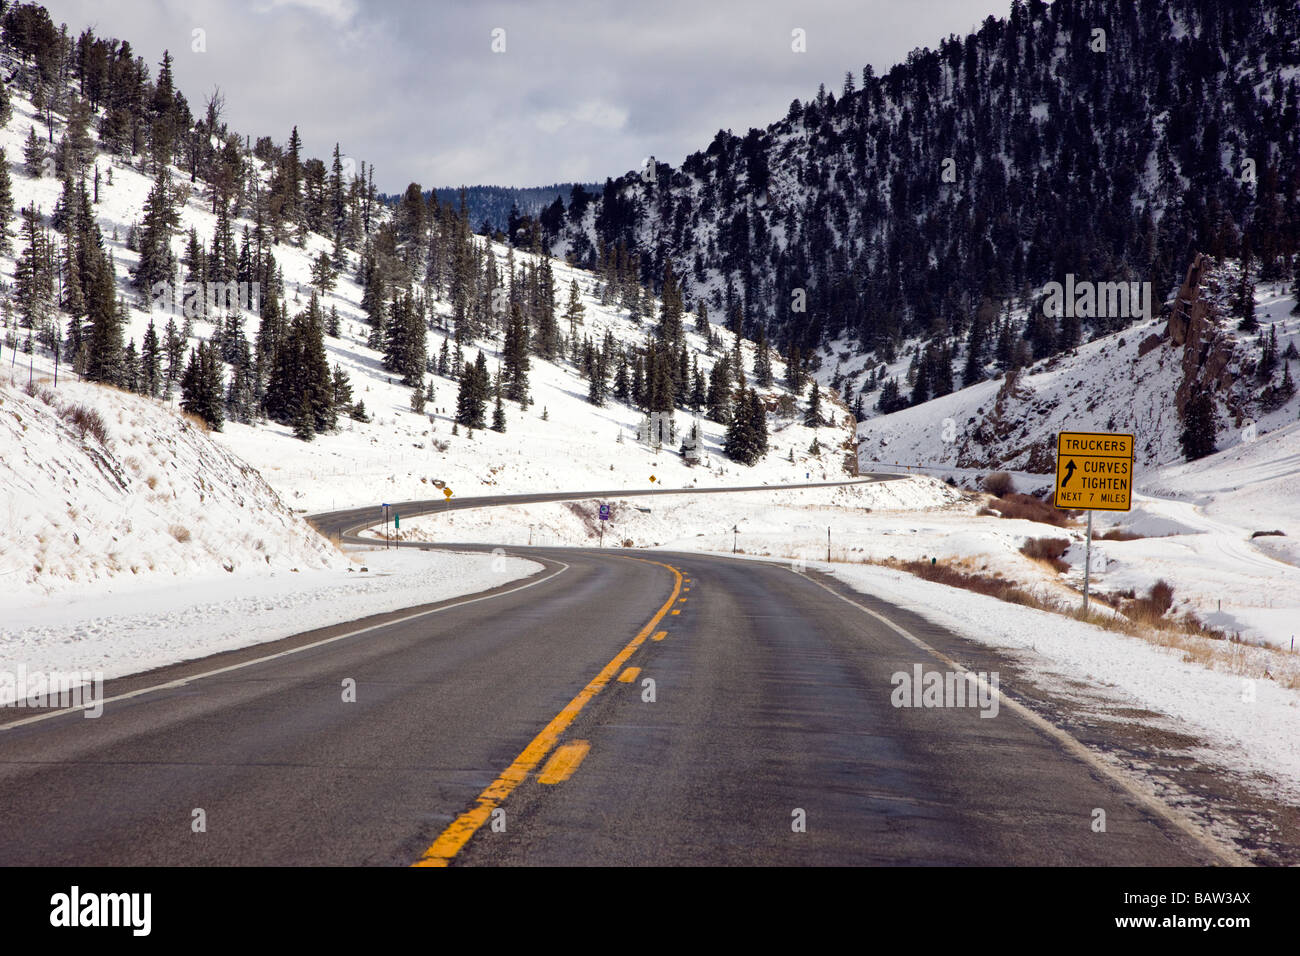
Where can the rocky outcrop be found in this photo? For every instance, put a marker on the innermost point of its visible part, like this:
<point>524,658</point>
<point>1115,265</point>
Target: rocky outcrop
<point>1195,324</point>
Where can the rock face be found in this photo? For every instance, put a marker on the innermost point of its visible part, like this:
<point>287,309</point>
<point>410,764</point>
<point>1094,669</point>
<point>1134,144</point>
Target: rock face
<point>1196,325</point>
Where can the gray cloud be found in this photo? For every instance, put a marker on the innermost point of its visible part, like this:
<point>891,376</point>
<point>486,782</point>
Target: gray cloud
<point>584,89</point>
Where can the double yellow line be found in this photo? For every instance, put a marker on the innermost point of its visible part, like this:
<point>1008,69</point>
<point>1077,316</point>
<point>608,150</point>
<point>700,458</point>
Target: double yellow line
<point>453,839</point>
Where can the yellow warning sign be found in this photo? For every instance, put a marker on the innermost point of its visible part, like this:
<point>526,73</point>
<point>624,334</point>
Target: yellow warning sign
<point>1094,471</point>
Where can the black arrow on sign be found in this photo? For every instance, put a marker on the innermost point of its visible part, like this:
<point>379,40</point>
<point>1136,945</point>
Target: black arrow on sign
<point>1069,472</point>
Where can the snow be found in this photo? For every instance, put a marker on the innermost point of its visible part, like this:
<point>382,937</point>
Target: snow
<point>125,632</point>
<point>158,499</point>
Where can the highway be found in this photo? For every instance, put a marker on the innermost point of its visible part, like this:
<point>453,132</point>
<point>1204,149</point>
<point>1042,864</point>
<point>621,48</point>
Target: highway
<point>617,707</point>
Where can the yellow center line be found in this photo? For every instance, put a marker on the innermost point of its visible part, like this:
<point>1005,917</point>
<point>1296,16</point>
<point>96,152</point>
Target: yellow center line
<point>563,762</point>
<point>453,839</point>
<point>677,612</point>
<point>628,675</point>
<point>659,635</point>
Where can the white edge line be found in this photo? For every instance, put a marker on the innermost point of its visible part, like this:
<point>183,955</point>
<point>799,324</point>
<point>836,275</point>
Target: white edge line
<point>1226,855</point>
<point>181,682</point>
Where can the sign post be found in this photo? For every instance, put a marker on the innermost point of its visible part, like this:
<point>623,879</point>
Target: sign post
<point>1094,472</point>
<point>385,506</point>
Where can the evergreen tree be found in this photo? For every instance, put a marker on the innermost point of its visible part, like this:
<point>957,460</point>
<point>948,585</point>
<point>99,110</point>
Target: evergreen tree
<point>746,439</point>
<point>201,386</point>
<point>499,417</point>
<point>1199,436</point>
<point>717,403</point>
<point>157,262</point>
<point>670,311</point>
<point>150,363</point>
<point>6,202</point>
<point>813,419</point>
<point>304,427</point>
<point>575,310</point>
<point>762,361</point>
<point>34,153</point>
<point>471,400</point>
<point>515,356</point>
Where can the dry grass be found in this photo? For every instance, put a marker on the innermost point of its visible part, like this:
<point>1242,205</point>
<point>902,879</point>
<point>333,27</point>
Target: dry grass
<point>197,422</point>
<point>180,533</point>
<point>1117,534</point>
<point>1049,551</point>
<point>1029,508</point>
<point>85,421</point>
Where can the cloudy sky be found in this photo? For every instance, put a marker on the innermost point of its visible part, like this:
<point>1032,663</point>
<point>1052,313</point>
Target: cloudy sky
<point>574,91</point>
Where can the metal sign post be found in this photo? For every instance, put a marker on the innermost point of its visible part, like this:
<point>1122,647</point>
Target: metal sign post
<point>1094,472</point>
<point>1087,564</point>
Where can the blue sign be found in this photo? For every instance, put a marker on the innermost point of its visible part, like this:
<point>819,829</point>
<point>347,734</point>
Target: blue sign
<point>604,512</point>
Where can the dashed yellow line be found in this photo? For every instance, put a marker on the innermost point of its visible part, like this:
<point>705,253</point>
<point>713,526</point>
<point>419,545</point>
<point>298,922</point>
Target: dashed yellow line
<point>659,635</point>
<point>677,612</point>
<point>453,839</point>
<point>628,675</point>
<point>563,762</point>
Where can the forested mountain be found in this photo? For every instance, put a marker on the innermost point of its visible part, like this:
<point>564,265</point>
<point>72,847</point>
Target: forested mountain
<point>1110,139</point>
<point>498,208</point>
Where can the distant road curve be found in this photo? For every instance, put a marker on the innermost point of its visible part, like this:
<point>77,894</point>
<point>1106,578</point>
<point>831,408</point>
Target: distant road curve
<point>343,525</point>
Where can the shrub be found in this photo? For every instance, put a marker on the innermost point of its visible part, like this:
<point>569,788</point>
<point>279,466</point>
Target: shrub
<point>1047,550</point>
<point>999,484</point>
<point>180,533</point>
<point>1030,508</point>
<point>86,421</point>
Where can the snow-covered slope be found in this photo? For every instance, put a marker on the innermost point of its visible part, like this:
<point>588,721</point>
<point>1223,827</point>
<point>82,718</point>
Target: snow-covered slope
<point>151,495</point>
<point>560,441</point>
<point>1123,382</point>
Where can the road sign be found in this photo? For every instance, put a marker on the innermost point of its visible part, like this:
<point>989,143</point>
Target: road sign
<point>1094,471</point>
<point>652,477</point>
<point>604,512</point>
<point>447,492</point>
<point>397,520</point>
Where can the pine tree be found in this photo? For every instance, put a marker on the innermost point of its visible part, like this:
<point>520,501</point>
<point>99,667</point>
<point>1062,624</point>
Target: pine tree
<point>499,417</point>
<point>157,262</point>
<point>304,427</point>
<point>471,400</point>
<point>597,385</point>
<point>1200,426</point>
<point>201,386</point>
<point>515,356</point>
<point>150,363</point>
<point>34,153</point>
<point>6,203</point>
<point>575,310</point>
<point>670,311</point>
<point>813,419</point>
<point>762,361</point>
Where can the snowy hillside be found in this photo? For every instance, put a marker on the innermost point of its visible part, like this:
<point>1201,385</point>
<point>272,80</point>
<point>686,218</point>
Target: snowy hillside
<point>559,440</point>
<point>99,484</point>
<point>1124,382</point>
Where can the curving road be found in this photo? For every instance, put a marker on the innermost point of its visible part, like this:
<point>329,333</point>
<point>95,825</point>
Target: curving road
<point>518,727</point>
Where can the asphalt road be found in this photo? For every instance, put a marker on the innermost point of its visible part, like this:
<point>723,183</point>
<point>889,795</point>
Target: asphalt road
<point>499,731</point>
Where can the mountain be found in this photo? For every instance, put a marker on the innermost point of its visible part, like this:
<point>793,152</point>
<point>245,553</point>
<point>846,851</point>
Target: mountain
<point>500,208</point>
<point>1140,380</point>
<point>1105,139</point>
